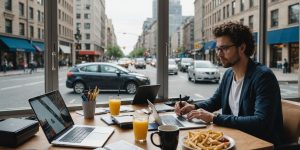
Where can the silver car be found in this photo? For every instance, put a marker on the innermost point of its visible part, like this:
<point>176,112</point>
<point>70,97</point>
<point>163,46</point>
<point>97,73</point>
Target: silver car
<point>202,70</point>
<point>172,68</point>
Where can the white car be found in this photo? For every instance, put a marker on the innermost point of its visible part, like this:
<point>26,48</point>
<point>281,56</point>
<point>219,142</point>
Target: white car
<point>172,68</point>
<point>202,70</point>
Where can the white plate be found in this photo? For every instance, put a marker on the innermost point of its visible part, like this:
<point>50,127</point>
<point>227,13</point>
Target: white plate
<point>231,141</point>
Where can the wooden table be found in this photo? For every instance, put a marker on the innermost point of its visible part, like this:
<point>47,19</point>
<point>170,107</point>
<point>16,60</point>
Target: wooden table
<point>243,140</point>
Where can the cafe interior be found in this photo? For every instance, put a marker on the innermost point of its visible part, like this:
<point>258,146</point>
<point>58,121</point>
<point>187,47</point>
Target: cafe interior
<point>120,125</point>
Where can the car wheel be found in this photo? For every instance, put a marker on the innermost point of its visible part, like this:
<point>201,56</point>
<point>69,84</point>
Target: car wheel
<point>131,87</point>
<point>189,78</point>
<point>176,73</point>
<point>195,81</point>
<point>78,87</point>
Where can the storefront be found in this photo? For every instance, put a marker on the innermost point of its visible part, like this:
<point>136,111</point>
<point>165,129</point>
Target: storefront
<point>87,56</point>
<point>18,51</point>
<point>64,55</point>
<point>39,55</point>
<point>294,56</point>
<point>210,51</point>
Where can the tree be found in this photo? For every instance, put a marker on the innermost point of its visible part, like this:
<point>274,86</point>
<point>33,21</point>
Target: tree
<point>138,52</point>
<point>114,51</point>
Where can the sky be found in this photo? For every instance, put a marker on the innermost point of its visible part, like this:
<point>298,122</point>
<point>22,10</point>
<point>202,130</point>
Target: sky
<point>128,17</point>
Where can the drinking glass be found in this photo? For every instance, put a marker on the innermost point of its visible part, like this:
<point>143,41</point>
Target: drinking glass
<point>114,105</point>
<point>140,126</point>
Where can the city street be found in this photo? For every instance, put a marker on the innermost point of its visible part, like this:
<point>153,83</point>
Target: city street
<point>17,89</point>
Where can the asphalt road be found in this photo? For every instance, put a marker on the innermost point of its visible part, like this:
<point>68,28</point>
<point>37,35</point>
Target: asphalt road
<point>16,90</point>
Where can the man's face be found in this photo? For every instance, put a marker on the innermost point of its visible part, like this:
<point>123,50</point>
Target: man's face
<point>227,52</point>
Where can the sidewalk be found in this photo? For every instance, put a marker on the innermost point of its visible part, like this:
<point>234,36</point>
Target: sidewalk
<point>21,72</point>
<point>283,78</point>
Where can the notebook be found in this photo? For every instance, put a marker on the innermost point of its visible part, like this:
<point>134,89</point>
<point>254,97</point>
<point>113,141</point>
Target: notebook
<point>173,119</point>
<point>149,92</point>
<point>58,125</point>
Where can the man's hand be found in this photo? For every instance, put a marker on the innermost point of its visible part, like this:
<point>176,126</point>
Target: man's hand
<point>183,108</point>
<point>201,114</point>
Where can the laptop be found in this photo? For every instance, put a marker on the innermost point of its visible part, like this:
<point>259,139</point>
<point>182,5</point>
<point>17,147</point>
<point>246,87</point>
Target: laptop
<point>149,92</point>
<point>173,119</point>
<point>58,125</point>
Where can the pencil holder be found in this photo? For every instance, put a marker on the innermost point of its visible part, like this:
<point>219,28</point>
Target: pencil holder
<point>88,109</point>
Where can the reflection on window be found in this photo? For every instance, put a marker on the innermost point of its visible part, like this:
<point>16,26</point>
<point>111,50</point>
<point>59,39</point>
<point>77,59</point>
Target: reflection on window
<point>274,18</point>
<point>294,13</point>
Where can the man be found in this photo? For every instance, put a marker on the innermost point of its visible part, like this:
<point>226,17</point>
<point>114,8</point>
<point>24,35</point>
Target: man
<point>248,94</point>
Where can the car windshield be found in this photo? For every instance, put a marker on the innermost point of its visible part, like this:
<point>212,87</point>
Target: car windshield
<point>187,60</point>
<point>204,64</point>
<point>140,60</point>
<point>172,62</point>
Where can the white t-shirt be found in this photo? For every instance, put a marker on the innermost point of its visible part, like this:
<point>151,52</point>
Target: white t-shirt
<point>234,95</point>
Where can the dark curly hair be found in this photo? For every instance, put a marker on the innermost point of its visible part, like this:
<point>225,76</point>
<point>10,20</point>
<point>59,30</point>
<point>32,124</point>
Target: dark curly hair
<point>238,34</point>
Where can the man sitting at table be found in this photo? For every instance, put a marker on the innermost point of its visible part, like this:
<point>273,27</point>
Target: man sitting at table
<point>249,93</point>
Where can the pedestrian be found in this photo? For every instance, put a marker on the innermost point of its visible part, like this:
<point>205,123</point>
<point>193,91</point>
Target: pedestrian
<point>285,66</point>
<point>4,64</point>
<point>31,65</point>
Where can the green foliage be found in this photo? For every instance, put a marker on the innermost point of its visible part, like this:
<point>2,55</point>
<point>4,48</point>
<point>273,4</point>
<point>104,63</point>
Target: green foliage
<point>114,51</point>
<point>138,52</point>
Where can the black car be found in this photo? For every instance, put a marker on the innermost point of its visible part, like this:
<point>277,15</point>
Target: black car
<point>106,76</point>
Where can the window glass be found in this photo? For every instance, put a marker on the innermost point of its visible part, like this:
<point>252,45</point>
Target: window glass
<point>108,69</point>
<point>274,18</point>
<point>294,13</point>
<point>90,68</point>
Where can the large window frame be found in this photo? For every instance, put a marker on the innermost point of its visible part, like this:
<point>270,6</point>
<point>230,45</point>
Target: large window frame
<point>291,14</point>
<point>274,18</point>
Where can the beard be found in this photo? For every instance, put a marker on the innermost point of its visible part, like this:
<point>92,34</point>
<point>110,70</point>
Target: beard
<point>229,63</point>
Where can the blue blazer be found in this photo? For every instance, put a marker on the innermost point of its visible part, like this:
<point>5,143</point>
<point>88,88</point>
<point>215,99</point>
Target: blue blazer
<point>259,106</point>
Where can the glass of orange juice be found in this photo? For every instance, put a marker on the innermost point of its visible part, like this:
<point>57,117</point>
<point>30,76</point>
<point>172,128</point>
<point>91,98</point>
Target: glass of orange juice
<point>140,126</point>
<point>114,105</point>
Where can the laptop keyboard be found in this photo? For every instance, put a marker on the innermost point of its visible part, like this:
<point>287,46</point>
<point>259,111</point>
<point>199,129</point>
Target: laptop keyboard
<point>171,120</point>
<point>163,107</point>
<point>77,134</point>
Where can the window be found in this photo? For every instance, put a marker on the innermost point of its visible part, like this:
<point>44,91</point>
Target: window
<point>227,7</point>
<point>108,69</point>
<point>242,5</point>
<point>87,16</point>
<point>31,32</point>
<point>21,29</point>
<point>87,25</point>
<point>224,12</point>
<point>251,22</point>
<point>8,26</point>
<point>21,9</point>
<point>242,21</point>
<point>39,15</point>
<point>87,46</point>
<point>90,68</point>
<point>88,7</point>
<point>87,36</point>
<point>78,16</point>
<point>274,18</point>
<point>233,7</point>
<point>78,25</point>
<point>8,5</point>
<point>251,3</point>
<point>39,33</point>
<point>31,12</point>
<point>294,13</point>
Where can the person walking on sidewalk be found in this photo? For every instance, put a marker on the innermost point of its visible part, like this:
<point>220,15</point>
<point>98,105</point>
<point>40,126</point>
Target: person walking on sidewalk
<point>285,66</point>
<point>4,64</point>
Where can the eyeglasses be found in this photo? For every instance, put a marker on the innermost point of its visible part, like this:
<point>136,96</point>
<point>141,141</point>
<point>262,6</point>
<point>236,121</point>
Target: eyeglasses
<point>224,48</point>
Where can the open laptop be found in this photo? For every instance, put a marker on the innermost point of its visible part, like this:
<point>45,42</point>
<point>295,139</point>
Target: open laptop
<point>149,92</point>
<point>173,119</point>
<point>58,126</point>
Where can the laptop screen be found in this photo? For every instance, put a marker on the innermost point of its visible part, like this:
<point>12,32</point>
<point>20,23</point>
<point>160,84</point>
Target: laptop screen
<point>51,113</point>
<point>145,92</point>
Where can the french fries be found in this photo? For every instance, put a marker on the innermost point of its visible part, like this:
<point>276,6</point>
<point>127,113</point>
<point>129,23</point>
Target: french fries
<point>206,140</point>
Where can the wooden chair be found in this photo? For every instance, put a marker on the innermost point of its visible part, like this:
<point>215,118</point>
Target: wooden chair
<point>291,125</point>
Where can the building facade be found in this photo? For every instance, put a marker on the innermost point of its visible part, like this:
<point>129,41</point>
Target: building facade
<point>283,27</point>
<point>22,33</point>
<point>90,21</point>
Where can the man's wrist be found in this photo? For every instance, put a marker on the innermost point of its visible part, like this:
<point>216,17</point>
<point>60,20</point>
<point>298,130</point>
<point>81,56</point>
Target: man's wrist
<point>215,116</point>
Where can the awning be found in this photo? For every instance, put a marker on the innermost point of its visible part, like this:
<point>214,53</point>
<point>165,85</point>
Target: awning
<point>65,49</point>
<point>210,45</point>
<point>88,52</point>
<point>287,35</point>
<point>40,46</point>
<point>16,44</point>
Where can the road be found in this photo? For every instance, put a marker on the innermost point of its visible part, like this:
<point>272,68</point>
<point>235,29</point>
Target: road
<point>16,90</point>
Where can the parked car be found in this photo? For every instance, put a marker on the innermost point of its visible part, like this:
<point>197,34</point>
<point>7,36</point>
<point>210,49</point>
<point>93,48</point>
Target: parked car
<point>202,70</point>
<point>124,62</point>
<point>106,76</point>
<point>172,67</point>
<point>140,63</point>
<point>184,63</point>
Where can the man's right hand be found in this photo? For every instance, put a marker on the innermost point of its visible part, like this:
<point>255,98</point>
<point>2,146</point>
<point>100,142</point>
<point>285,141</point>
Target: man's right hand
<point>183,108</point>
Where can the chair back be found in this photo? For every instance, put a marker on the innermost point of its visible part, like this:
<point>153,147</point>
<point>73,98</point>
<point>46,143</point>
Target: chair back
<point>291,121</point>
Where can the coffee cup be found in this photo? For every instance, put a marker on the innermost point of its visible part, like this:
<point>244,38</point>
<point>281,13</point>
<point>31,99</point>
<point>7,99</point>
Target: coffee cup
<point>168,137</point>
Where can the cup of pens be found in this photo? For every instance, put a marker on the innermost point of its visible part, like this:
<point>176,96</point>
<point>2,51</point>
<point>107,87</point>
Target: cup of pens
<point>89,103</point>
